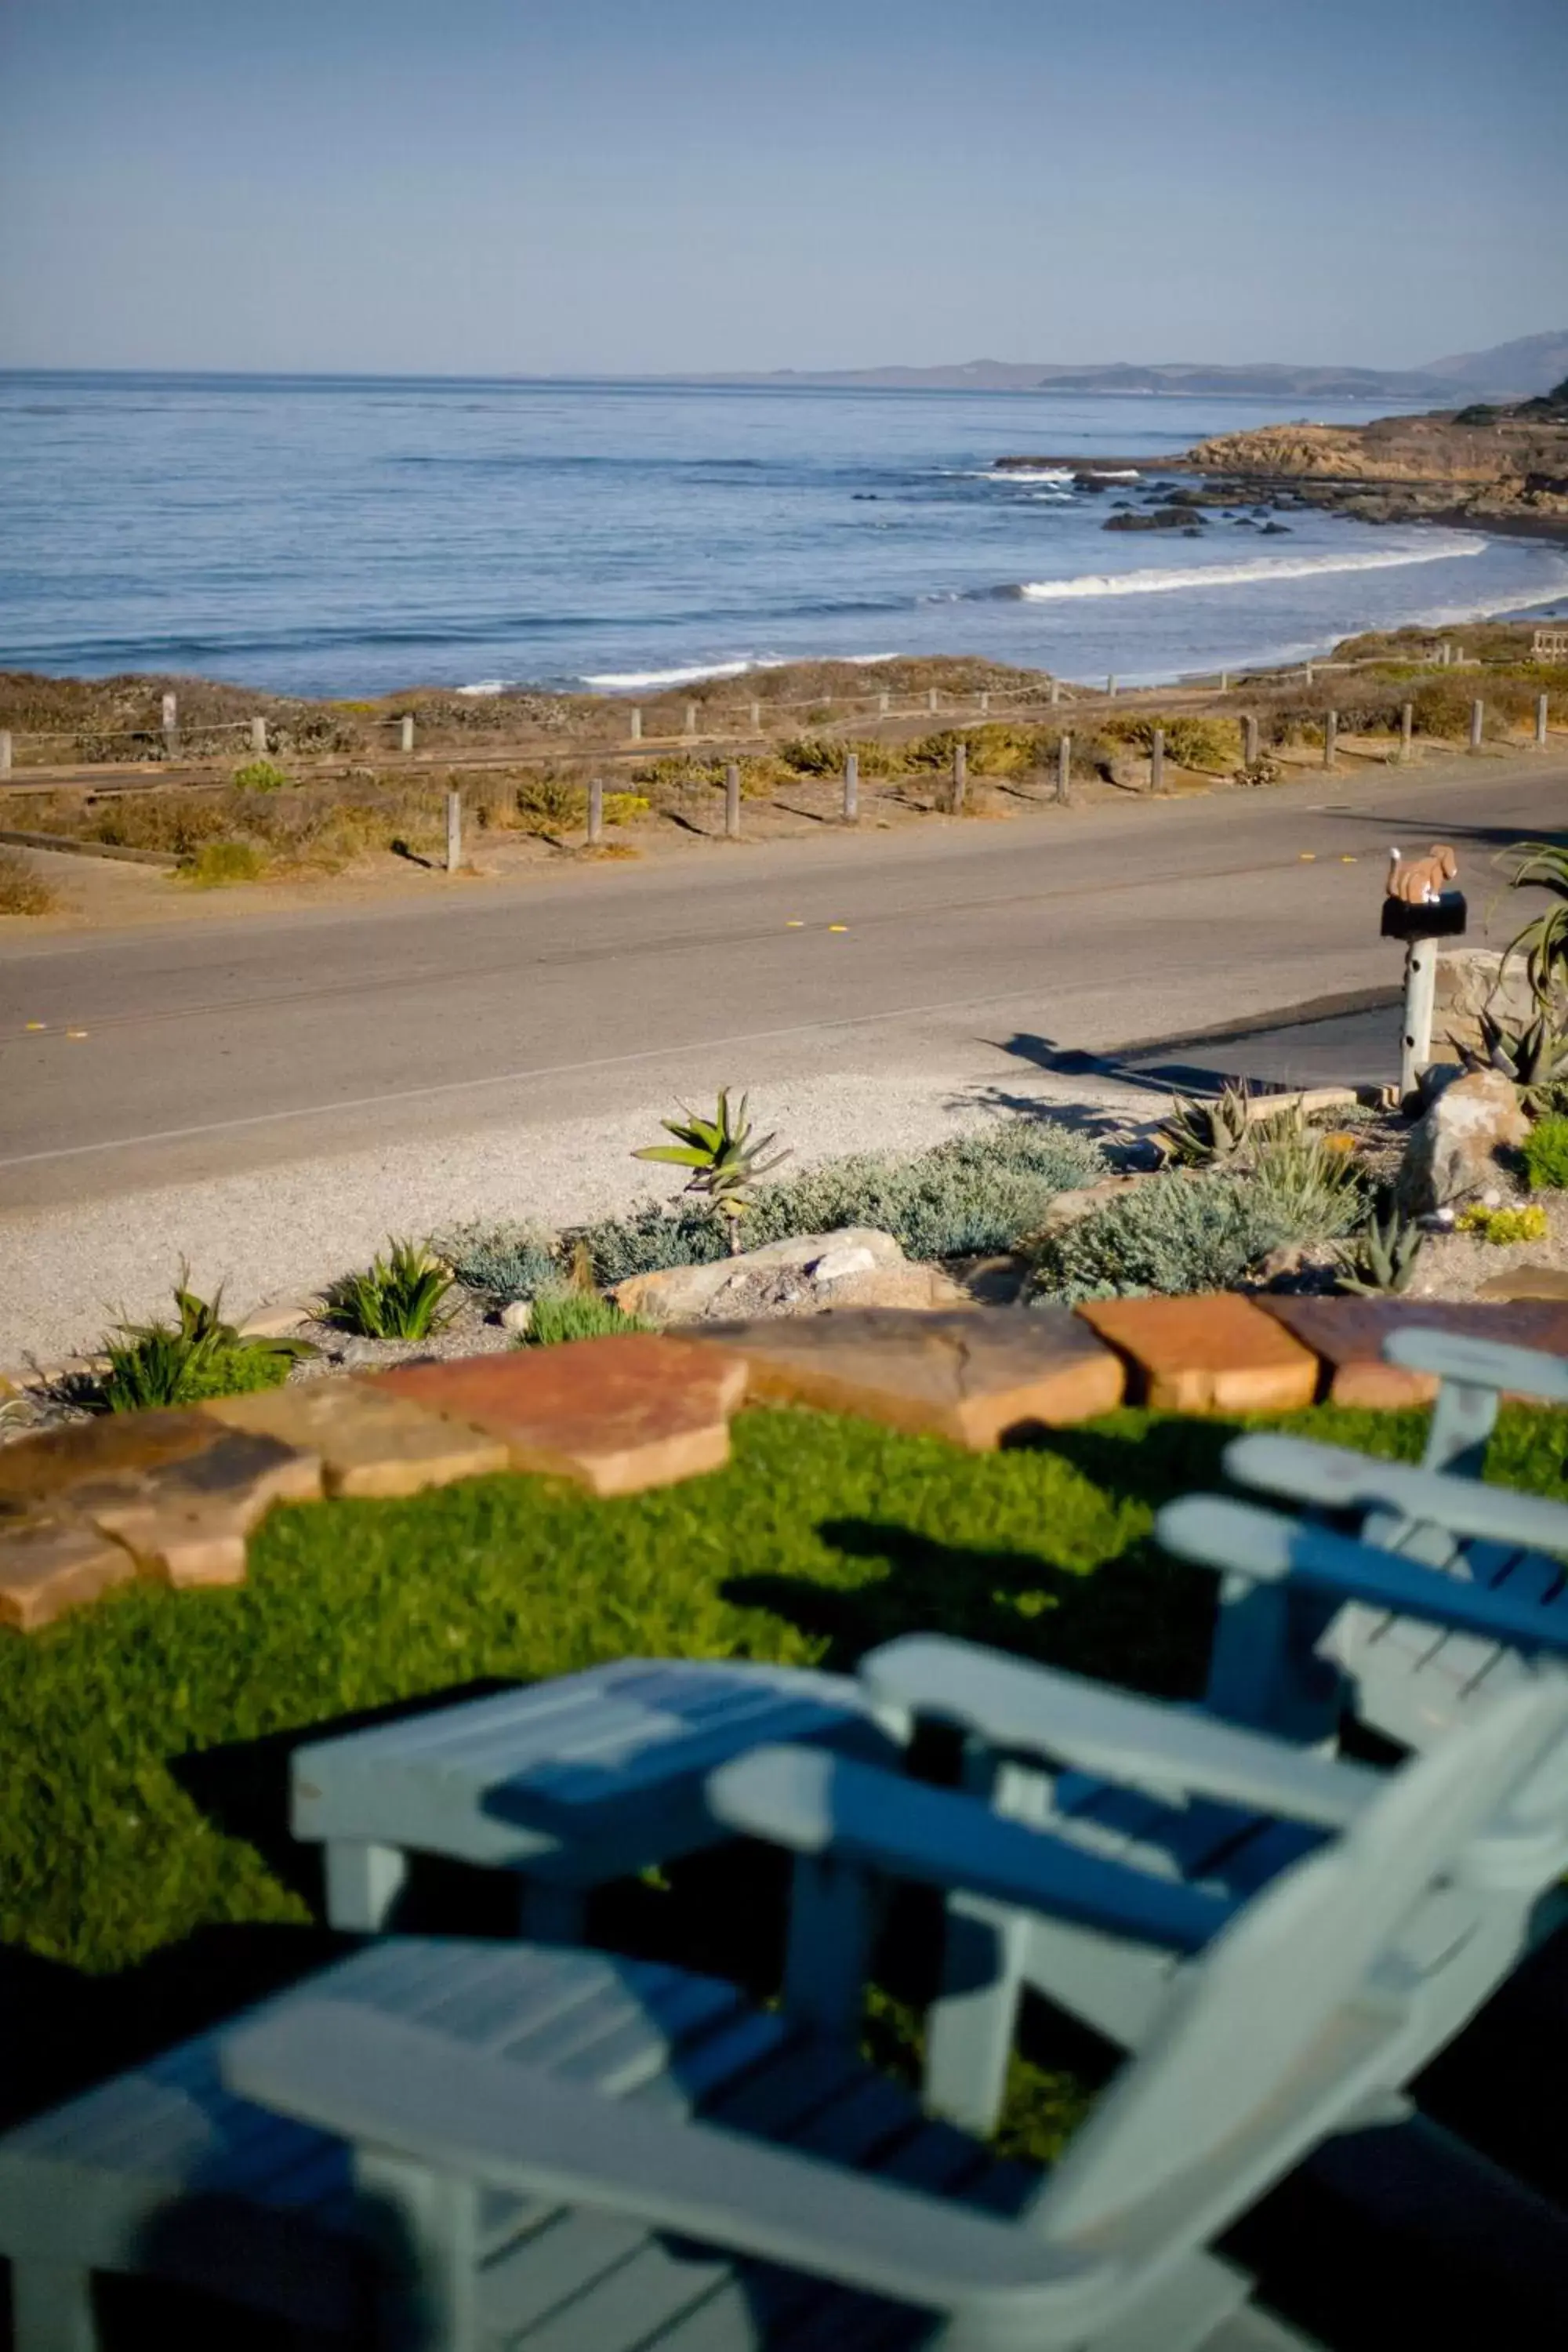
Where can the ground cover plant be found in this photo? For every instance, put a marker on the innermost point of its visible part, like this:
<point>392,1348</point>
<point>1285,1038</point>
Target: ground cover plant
<point>147,1879</point>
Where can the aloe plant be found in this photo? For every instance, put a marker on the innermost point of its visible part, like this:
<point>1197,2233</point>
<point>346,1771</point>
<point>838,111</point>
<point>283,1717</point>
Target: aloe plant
<point>1381,1257</point>
<point>198,1355</point>
<point>726,1165</point>
<point>1543,941</point>
<point>1207,1134</point>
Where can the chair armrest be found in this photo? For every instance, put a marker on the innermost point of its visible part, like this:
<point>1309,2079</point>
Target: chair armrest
<point>1084,1727</point>
<point>1480,1363</point>
<point>816,1804</point>
<point>1338,1478</point>
<point>1214,1532</point>
<point>379,2082</point>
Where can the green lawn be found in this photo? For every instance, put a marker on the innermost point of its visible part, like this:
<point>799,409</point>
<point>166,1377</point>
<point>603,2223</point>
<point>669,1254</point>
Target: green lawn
<point>147,1880</point>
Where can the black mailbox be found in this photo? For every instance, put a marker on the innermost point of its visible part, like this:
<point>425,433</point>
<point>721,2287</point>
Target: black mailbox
<point>1442,917</point>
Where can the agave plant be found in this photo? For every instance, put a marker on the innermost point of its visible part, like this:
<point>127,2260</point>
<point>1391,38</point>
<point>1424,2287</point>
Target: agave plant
<point>1534,1056</point>
<point>726,1164</point>
<point>1207,1134</point>
<point>1382,1257</point>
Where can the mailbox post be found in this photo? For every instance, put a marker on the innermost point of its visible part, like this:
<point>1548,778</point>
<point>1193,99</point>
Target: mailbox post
<point>1420,922</point>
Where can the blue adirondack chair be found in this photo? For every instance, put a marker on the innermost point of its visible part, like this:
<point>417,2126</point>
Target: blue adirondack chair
<point>560,2151</point>
<point>1212,1811</point>
<point>1295,1661</point>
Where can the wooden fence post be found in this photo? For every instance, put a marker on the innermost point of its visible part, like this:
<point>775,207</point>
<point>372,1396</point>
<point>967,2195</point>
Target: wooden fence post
<point>1308,674</point>
<point>960,775</point>
<point>636,722</point>
<point>1157,761</point>
<point>171,724</point>
<point>5,749</point>
<point>1330,736</point>
<point>406,730</point>
<point>595,812</point>
<point>1056,692</point>
<point>884,704</point>
<point>258,738</point>
<point>453,830</point>
<point>984,702</point>
<point>852,788</point>
<point>1224,681</point>
<point>1478,722</point>
<point>1249,740</point>
<point>931,698</point>
<point>756,716</point>
<point>1541,701</point>
<point>691,719</point>
<point>732,801</point>
<point>1110,688</point>
<point>1063,769</point>
<point>1406,730</point>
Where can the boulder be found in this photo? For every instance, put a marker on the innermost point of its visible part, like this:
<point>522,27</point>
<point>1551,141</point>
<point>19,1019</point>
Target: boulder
<point>1453,1146</point>
<point>797,1269</point>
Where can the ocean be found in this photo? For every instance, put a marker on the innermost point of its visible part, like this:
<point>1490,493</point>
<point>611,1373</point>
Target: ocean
<point>348,537</point>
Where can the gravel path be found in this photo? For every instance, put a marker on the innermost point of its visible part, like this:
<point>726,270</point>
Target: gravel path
<point>276,1233</point>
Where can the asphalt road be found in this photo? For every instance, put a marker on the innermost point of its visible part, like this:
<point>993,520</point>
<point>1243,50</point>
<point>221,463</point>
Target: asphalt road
<point>214,1049</point>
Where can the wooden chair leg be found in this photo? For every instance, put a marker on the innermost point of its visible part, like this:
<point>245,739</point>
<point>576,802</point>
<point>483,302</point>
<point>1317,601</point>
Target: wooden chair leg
<point>971,2024</point>
<point>547,1913</point>
<point>426,2226</point>
<point>51,2307</point>
<point>832,1921</point>
<point>364,1883</point>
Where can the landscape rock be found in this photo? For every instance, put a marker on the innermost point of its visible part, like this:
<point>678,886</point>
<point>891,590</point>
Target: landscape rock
<point>1348,1335</point>
<point>678,1294</point>
<point>188,1520</point>
<point>837,1264</point>
<point>369,1442</point>
<point>1527,1282</point>
<point>517,1316</point>
<point>616,1414</point>
<point>53,1564</point>
<point>970,1375</point>
<point>1453,1146</point>
<point>112,1445</point>
<point>1214,1353</point>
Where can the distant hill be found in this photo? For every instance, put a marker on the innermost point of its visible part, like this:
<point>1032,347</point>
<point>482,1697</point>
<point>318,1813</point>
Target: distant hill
<point>1517,370</point>
<point>1512,370</point>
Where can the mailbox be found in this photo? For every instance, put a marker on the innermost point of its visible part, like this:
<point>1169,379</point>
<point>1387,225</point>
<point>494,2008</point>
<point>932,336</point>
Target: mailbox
<point>1442,917</point>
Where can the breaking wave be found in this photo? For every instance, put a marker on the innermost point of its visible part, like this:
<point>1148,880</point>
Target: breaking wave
<point>1257,571</point>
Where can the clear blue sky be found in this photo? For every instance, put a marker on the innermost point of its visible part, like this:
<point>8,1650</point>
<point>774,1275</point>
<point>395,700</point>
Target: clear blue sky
<point>577,185</point>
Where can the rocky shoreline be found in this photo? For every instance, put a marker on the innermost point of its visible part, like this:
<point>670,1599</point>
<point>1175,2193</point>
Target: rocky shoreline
<point>1502,470</point>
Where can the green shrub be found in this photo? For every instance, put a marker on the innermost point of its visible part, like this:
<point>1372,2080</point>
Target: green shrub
<point>1174,1234</point>
<point>649,1238</point>
<point>974,1195</point>
<point>562,1315</point>
<point>1546,1155</point>
<point>216,864</point>
<point>507,1261</point>
<point>547,802</point>
<point>399,1296</point>
<point>198,1355</point>
<point>823,755</point>
<point>1191,741</point>
<point>259,776</point>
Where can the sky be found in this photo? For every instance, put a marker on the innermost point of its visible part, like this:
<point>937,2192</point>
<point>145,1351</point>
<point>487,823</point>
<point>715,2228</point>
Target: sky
<point>650,186</point>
